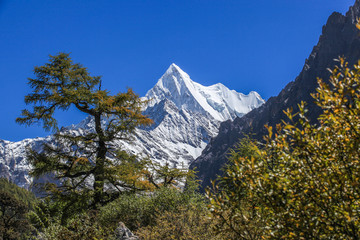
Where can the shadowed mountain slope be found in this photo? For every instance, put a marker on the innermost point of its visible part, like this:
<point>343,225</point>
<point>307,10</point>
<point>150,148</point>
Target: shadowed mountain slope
<point>339,37</point>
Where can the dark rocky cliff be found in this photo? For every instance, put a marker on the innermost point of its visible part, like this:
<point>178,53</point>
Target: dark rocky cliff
<point>339,37</point>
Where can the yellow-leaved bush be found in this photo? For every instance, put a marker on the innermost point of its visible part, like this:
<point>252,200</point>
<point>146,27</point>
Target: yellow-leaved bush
<point>303,182</point>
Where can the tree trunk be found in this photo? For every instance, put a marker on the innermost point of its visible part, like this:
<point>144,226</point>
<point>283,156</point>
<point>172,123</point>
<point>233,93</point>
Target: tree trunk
<point>99,164</point>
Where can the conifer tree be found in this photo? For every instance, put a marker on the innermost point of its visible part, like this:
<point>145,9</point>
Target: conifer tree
<point>89,163</point>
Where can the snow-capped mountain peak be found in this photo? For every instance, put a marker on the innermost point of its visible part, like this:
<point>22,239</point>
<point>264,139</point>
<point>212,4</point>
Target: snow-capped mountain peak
<point>217,100</point>
<point>173,80</point>
<point>175,69</point>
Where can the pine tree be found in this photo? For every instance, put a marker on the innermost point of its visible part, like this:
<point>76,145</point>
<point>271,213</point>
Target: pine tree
<point>89,163</point>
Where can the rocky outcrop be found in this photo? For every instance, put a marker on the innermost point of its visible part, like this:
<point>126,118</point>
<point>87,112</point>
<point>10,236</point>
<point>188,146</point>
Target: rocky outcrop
<point>123,233</point>
<point>339,37</point>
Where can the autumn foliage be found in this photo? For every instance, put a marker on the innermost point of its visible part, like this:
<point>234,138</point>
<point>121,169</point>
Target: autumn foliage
<point>303,183</point>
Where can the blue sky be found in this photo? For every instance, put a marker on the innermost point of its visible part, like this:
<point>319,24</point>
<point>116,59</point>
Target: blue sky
<point>246,45</point>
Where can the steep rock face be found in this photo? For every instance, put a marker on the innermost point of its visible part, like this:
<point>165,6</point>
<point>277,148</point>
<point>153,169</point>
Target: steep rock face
<point>186,116</point>
<point>340,37</point>
<point>13,165</point>
<point>178,138</point>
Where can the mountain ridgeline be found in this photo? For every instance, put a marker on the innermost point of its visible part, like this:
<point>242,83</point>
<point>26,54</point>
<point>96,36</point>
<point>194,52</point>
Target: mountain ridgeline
<point>339,37</point>
<point>186,116</point>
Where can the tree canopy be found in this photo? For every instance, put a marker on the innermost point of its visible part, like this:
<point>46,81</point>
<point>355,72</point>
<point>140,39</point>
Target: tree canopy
<point>90,163</point>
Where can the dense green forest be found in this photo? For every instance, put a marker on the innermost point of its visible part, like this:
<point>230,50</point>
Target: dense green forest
<point>302,182</point>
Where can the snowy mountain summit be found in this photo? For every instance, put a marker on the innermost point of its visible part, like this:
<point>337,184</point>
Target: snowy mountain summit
<point>186,116</point>
<point>217,100</point>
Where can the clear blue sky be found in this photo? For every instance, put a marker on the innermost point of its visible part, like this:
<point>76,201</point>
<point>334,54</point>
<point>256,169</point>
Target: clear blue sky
<point>247,45</point>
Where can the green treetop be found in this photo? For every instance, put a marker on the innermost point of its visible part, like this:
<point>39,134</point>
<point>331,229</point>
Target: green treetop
<point>88,163</point>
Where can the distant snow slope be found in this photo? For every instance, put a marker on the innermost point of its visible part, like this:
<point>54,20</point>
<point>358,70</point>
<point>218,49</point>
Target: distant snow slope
<point>186,116</point>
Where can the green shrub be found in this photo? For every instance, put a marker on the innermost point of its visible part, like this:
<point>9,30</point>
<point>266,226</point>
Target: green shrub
<point>13,221</point>
<point>137,211</point>
<point>84,226</point>
<point>186,223</point>
<point>131,209</point>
